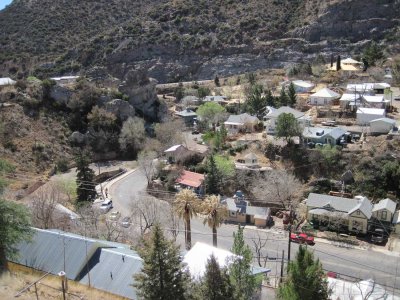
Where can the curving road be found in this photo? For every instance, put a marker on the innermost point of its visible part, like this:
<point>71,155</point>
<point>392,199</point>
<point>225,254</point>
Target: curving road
<point>364,264</point>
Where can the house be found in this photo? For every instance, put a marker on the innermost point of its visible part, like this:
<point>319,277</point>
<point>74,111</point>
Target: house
<point>241,211</point>
<point>365,289</point>
<point>175,152</point>
<point>368,88</point>
<point>63,80</point>
<point>350,101</point>
<point>241,123</point>
<point>191,180</point>
<point>301,86</point>
<point>104,265</point>
<point>322,135</point>
<point>197,258</point>
<point>381,125</point>
<point>6,81</point>
<point>190,100</point>
<point>351,215</point>
<point>375,101</point>
<point>188,116</point>
<point>396,222</point>
<point>384,210</point>
<point>324,96</point>
<point>273,114</point>
<point>349,62</point>
<point>366,115</point>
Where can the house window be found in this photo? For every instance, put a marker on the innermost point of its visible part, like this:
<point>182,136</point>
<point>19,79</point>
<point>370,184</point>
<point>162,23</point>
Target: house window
<point>384,215</point>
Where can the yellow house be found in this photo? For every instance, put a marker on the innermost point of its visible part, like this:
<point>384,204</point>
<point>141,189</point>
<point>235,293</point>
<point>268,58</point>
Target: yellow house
<point>384,210</point>
<point>350,214</point>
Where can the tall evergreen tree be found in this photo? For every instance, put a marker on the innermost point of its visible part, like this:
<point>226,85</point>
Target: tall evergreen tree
<point>213,176</point>
<point>269,98</point>
<point>292,95</point>
<point>215,284</point>
<point>256,101</point>
<point>283,98</point>
<point>162,276</point>
<point>15,225</point>
<point>306,279</point>
<point>373,53</point>
<point>84,179</point>
<point>240,271</point>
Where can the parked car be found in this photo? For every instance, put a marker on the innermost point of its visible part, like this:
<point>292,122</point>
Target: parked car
<point>329,123</point>
<point>302,238</point>
<point>126,222</point>
<point>378,236</point>
<point>106,206</point>
<point>114,216</point>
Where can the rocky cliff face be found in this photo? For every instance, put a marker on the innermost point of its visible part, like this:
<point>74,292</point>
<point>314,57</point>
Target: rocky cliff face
<point>188,39</point>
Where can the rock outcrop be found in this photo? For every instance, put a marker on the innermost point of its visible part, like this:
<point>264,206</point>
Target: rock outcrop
<point>120,108</point>
<point>60,94</point>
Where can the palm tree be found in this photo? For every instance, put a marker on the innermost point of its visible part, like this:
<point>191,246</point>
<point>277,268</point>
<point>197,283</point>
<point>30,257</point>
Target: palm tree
<point>215,214</point>
<point>186,207</point>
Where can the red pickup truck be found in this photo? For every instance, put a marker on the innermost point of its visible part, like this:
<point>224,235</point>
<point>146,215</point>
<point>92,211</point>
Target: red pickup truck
<point>302,238</point>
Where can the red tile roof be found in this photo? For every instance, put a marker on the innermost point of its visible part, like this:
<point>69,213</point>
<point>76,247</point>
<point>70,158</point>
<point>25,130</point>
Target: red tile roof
<point>191,179</point>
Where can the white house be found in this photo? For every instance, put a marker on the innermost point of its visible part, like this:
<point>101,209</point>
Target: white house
<point>384,210</point>
<point>382,125</point>
<point>273,114</point>
<point>366,115</point>
<point>241,123</point>
<point>323,135</point>
<point>324,96</point>
<point>368,88</point>
<point>377,101</point>
<point>301,86</point>
<point>350,100</point>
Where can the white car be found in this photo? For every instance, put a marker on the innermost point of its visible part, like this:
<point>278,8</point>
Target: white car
<point>106,205</point>
<point>114,216</point>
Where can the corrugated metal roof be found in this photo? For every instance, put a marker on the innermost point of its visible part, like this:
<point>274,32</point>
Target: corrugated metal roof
<point>50,249</point>
<point>285,109</point>
<point>112,270</point>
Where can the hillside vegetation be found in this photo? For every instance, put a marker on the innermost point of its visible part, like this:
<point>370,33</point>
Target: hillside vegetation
<point>189,39</point>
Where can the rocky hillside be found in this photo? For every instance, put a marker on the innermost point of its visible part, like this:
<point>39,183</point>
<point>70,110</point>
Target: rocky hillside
<point>186,39</point>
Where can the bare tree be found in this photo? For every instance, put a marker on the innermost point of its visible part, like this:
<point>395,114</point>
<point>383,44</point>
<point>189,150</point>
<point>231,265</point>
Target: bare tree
<point>89,221</point>
<point>259,246</point>
<point>146,211</point>
<point>148,164</point>
<point>173,222</point>
<point>278,186</point>
<point>111,231</point>
<point>44,205</point>
<point>169,133</point>
<point>132,135</point>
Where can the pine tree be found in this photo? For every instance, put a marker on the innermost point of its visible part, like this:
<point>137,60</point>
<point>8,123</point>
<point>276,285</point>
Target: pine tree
<point>162,276</point>
<point>84,179</point>
<point>212,178</point>
<point>269,98</point>
<point>283,98</point>
<point>216,80</point>
<point>240,271</point>
<point>215,284</point>
<point>306,279</point>
<point>292,95</point>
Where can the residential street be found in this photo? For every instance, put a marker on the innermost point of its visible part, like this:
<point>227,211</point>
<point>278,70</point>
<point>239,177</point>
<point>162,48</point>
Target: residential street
<point>363,264</point>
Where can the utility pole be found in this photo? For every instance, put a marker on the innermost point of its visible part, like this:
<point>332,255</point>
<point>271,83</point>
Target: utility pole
<point>282,264</point>
<point>289,242</point>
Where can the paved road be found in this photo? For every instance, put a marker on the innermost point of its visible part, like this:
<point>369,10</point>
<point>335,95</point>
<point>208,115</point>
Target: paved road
<point>362,264</point>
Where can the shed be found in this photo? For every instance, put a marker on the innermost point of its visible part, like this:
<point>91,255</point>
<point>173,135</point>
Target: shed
<point>382,125</point>
<point>324,97</point>
<point>366,115</point>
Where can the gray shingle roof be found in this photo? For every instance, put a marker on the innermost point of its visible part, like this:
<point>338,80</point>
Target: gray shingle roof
<point>285,109</point>
<point>388,204</point>
<point>241,119</point>
<point>243,207</point>
<point>340,204</point>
